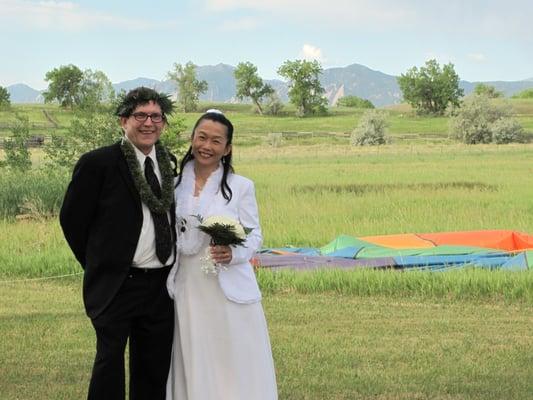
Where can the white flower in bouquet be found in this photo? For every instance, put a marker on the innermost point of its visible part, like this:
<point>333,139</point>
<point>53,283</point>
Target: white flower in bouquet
<point>223,231</point>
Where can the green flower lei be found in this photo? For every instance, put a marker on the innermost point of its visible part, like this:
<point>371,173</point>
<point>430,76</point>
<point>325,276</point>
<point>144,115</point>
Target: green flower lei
<point>159,206</point>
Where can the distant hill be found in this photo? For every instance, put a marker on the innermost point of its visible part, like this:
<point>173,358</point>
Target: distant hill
<point>356,80</point>
<point>160,86</point>
<point>507,88</point>
<point>22,93</point>
<point>133,83</point>
<point>221,85</point>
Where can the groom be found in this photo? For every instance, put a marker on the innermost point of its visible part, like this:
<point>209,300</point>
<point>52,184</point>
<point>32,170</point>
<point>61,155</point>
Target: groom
<point>118,218</point>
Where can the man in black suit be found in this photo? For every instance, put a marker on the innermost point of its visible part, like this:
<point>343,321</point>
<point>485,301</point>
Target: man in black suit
<point>118,219</point>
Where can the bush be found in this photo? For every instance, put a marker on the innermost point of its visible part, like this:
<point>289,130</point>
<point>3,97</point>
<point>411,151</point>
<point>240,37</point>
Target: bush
<point>16,147</point>
<point>355,102</point>
<point>5,101</point>
<point>274,139</point>
<point>34,194</point>
<point>172,137</point>
<point>524,94</point>
<point>473,122</point>
<point>273,106</point>
<point>487,90</point>
<point>507,130</point>
<point>86,132</point>
<point>371,130</point>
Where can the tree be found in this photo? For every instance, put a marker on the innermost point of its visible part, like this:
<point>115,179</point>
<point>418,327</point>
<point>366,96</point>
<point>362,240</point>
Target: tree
<point>95,89</point>
<point>249,84</point>
<point>189,88</point>
<point>354,101</point>
<point>430,89</point>
<point>64,86</point>
<point>4,98</point>
<point>487,90</point>
<point>305,90</point>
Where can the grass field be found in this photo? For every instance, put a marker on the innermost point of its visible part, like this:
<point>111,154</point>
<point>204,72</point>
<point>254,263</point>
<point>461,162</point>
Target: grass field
<point>326,346</point>
<point>335,335</point>
<point>308,195</point>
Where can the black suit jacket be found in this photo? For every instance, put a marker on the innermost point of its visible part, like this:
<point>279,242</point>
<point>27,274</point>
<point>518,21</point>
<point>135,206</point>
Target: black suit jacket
<point>101,217</point>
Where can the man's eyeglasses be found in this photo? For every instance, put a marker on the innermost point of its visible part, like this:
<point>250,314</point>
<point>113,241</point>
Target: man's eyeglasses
<point>141,117</point>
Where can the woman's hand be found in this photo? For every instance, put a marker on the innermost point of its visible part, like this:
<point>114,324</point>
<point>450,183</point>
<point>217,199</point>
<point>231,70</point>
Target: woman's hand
<point>221,254</point>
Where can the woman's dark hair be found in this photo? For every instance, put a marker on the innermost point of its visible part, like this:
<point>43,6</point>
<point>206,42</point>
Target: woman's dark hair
<point>226,160</point>
<point>140,96</point>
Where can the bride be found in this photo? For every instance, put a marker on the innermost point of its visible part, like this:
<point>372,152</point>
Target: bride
<point>221,348</point>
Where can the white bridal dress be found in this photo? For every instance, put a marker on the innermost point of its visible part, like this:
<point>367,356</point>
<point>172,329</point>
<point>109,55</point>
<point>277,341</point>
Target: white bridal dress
<point>221,348</point>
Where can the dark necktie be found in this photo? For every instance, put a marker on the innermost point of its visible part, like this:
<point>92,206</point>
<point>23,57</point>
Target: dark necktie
<point>163,236</point>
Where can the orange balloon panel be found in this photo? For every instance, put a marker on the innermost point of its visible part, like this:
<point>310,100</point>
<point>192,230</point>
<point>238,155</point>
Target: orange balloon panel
<point>400,241</point>
<point>503,240</point>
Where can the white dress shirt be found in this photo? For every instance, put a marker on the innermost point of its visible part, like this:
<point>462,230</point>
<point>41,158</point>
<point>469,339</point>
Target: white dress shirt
<point>145,255</point>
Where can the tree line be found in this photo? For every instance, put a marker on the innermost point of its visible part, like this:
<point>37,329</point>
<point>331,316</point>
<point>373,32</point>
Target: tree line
<point>430,89</point>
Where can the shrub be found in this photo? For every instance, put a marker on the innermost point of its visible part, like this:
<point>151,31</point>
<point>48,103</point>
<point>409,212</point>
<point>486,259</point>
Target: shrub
<point>86,132</point>
<point>35,193</point>
<point>274,139</point>
<point>473,122</point>
<point>16,147</point>
<point>371,130</point>
<point>487,90</point>
<point>355,102</point>
<point>524,94</point>
<point>172,136</point>
<point>273,106</point>
<point>5,101</point>
<point>507,130</point>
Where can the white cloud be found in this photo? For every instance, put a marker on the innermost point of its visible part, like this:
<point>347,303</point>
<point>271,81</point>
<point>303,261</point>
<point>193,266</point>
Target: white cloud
<point>477,57</point>
<point>310,52</point>
<point>242,24</point>
<point>61,16</point>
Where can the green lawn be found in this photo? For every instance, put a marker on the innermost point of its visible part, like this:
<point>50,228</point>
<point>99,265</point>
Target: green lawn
<point>377,336</point>
<point>326,346</point>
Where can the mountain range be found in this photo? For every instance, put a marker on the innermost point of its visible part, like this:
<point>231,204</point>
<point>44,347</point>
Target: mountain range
<point>356,79</point>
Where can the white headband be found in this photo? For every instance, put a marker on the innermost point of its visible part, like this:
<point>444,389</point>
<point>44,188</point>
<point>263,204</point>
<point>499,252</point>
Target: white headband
<point>214,111</point>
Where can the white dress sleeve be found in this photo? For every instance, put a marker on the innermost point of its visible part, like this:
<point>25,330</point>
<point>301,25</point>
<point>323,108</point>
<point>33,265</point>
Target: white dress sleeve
<point>249,218</point>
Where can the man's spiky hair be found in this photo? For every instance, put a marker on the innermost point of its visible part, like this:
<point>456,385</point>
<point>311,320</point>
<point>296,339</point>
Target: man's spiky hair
<point>143,95</point>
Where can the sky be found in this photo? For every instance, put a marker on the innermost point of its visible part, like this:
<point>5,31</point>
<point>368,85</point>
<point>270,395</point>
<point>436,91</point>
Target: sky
<point>484,40</point>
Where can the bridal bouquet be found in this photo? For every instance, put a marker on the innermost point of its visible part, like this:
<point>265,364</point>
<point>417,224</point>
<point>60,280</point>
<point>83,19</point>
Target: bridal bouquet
<point>223,231</point>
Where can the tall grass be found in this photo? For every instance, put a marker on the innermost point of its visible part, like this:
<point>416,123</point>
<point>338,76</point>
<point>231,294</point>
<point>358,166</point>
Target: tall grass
<point>38,193</point>
<point>308,196</point>
<point>34,249</point>
<point>466,284</point>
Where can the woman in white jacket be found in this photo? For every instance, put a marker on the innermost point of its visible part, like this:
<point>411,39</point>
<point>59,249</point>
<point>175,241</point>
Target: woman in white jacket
<point>221,346</point>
